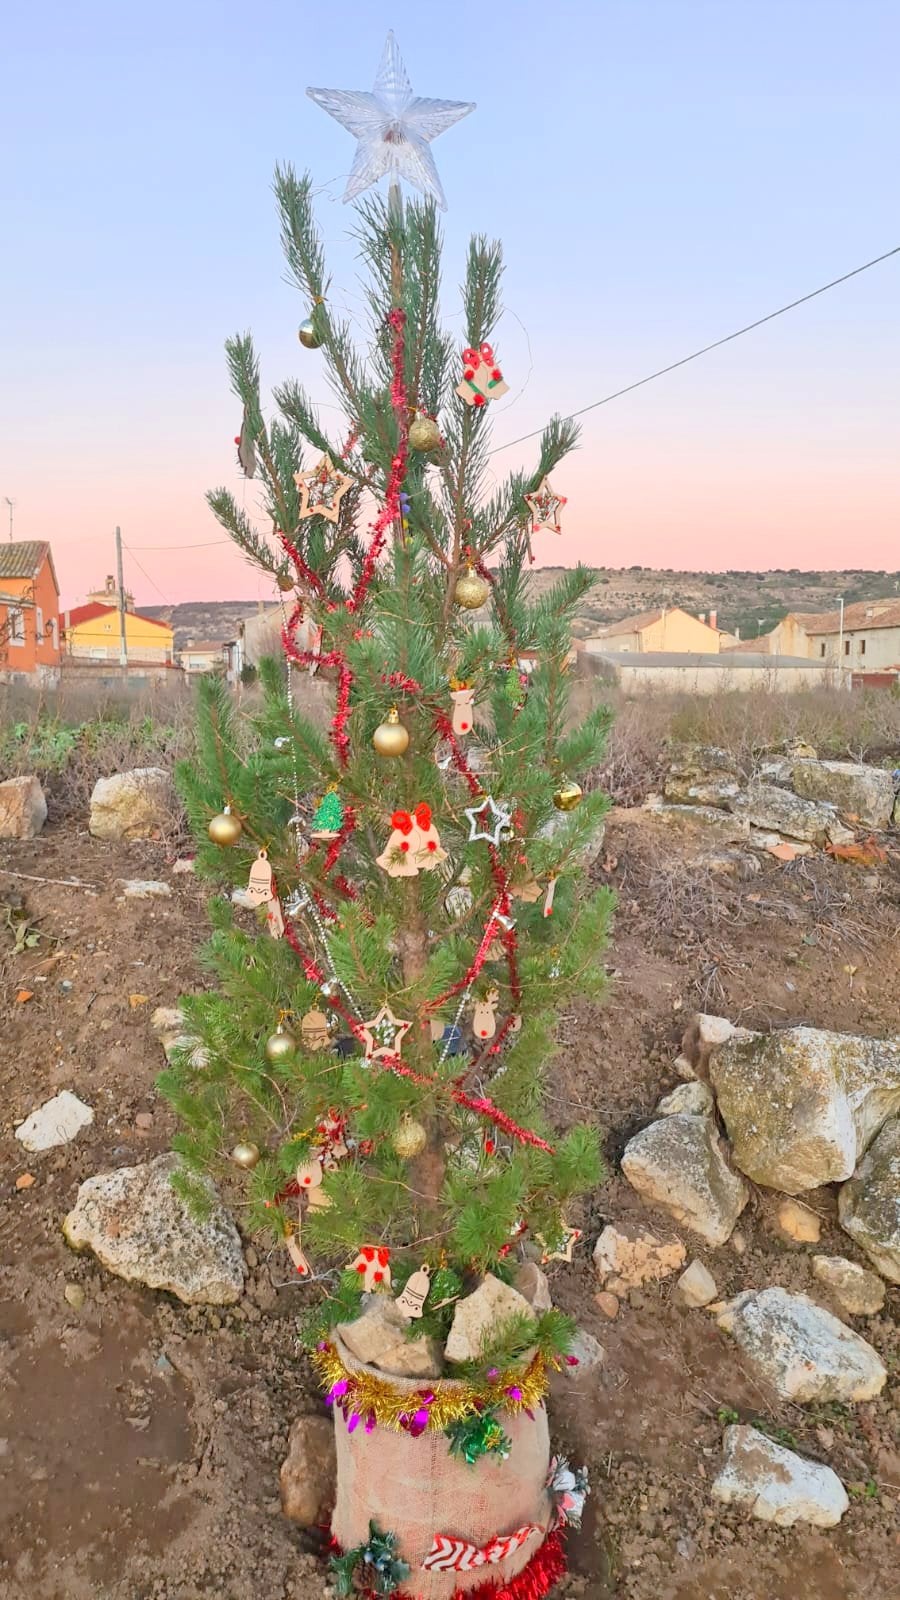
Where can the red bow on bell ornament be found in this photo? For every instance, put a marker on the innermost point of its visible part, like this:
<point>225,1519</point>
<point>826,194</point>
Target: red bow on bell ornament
<point>482,378</point>
<point>372,1265</point>
<point>414,845</point>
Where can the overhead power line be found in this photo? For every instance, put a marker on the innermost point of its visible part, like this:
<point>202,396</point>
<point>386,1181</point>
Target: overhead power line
<point>630,387</point>
<point>716,345</point>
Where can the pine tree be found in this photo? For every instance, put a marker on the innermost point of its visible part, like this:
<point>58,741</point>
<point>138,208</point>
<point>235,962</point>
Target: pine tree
<point>438,1148</point>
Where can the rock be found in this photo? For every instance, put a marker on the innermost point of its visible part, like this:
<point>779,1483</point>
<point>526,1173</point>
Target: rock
<point>678,1163</point>
<point>778,846</point>
<point>309,1472</point>
<point>586,1353</point>
<point>74,1296</point>
<point>780,771</point>
<point>56,1122</point>
<point>690,1099</point>
<point>701,1036</point>
<point>132,805</point>
<point>860,791</point>
<point>801,1105</point>
<point>857,1291</point>
<point>869,1205</point>
<point>607,1303</point>
<point>798,1222</point>
<point>413,1358</point>
<point>738,1243</point>
<point>728,829</point>
<point>711,789</point>
<point>766,806</point>
<point>144,1121</point>
<point>145,889</point>
<point>896,816</point>
<point>23,808</point>
<point>683,1067</point>
<point>140,1229</point>
<point>532,1284</point>
<point>380,1326</point>
<point>777,1485</point>
<point>627,1256</point>
<point>185,864</point>
<point>479,1315</point>
<point>170,1028</point>
<point>696,1286</point>
<point>802,1350</point>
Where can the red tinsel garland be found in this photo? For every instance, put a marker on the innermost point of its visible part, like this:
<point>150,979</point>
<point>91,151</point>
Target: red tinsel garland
<point>303,571</point>
<point>444,727</point>
<point>546,1567</point>
<point>486,1108</point>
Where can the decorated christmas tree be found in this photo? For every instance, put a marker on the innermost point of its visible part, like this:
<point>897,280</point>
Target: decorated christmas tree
<point>372,1064</point>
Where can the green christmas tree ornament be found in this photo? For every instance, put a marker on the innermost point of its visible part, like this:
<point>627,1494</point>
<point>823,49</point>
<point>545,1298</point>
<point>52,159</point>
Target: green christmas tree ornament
<point>329,816</point>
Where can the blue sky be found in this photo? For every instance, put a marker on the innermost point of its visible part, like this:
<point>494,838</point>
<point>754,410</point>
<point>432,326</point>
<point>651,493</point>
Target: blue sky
<point>660,171</point>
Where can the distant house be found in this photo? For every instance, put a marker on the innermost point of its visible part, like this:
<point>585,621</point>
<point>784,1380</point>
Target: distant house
<point>92,633</point>
<point>705,673</point>
<point>29,612</point>
<point>666,629</point>
<point>202,656</point>
<point>866,639</point>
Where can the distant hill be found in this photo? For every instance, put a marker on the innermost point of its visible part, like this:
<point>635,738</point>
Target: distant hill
<point>749,602</point>
<point>202,621</point>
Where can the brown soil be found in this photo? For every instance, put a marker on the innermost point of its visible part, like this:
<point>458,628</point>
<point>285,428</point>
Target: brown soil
<point>140,1440</point>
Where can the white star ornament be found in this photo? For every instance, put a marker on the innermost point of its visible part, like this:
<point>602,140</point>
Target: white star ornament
<point>393,127</point>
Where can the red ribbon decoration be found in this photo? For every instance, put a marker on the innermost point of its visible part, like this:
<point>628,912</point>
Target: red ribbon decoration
<point>484,353</point>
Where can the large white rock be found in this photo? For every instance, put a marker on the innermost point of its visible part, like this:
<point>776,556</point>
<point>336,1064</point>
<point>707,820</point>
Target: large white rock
<point>802,1105</point>
<point>864,792</point>
<point>716,824</point>
<point>137,804</point>
<point>140,1229</point>
<point>56,1122</point>
<point>627,1256</point>
<point>801,1349</point>
<point>678,1163</point>
<point>696,1287</point>
<point>766,806</point>
<point>479,1315</point>
<point>869,1205</point>
<point>777,1485</point>
<point>379,1337</point>
<point>23,808</point>
<point>857,1291</point>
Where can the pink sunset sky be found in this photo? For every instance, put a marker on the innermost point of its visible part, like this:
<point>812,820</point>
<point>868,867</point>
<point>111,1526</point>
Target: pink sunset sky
<point>660,171</point>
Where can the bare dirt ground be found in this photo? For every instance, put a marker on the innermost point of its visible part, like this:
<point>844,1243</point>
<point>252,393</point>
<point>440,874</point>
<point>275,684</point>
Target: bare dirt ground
<point>140,1440</point>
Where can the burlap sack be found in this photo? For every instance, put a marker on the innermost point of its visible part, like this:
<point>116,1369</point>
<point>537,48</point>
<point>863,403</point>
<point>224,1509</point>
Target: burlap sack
<point>415,1489</point>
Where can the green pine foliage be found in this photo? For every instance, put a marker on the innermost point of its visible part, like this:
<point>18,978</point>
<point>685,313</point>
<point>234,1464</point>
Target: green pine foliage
<point>458,1204</point>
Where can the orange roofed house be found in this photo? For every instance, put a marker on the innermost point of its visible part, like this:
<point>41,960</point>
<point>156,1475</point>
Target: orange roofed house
<point>93,634</point>
<point>29,612</point>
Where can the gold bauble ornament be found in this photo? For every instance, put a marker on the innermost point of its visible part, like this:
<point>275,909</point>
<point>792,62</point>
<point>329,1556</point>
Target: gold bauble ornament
<point>390,737</point>
<point>471,591</point>
<point>307,335</point>
<point>568,795</point>
<point>280,1045</point>
<point>245,1155</point>
<point>285,581</point>
<point>424,433</point>
<point>226,828</point>
<point>409,1138</point>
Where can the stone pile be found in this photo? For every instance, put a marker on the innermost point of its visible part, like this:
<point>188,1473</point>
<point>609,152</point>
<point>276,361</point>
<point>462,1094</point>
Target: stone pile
<point>796,802</point>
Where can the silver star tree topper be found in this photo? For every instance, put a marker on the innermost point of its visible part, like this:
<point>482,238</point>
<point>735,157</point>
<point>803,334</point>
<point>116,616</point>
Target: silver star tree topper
<point>392,126</point>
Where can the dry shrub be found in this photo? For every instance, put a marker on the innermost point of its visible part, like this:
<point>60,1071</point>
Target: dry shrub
<point>863,725</point>
<point>69,740</point>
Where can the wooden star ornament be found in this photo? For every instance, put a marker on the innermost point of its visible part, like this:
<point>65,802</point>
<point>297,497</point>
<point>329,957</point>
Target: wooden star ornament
<point>572,1236</point>
<point>383,1034</point>
<point>545,507</point>
<point>322,489</point>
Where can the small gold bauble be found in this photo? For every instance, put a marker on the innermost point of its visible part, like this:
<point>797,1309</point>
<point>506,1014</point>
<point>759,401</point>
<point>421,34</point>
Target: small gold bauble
<point>285,581</point>
<point>568,795</point>
<point>280,1045</point>
<point>390,737</point>
<point>245,1155</point>
<point>307,335</point>
<point>471,591</point>
<point>409,1138</point>
<point>226,828</point>
<point>424,433</point>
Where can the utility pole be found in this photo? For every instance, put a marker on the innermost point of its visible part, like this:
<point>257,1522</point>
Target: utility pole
<point>123,643</point>
<point>841,679</point>
<point>10,503</point>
